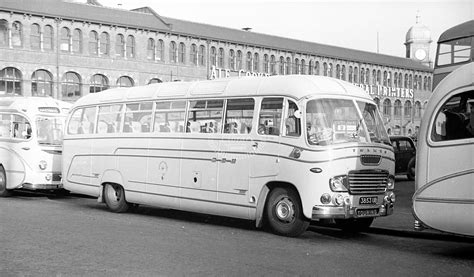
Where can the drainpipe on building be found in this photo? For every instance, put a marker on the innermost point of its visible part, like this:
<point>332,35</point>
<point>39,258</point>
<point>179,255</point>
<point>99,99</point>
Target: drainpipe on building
<point>58,95</point>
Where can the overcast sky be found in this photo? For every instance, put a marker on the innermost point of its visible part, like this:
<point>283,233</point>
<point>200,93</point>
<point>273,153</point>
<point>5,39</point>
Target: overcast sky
<point>346,23</point>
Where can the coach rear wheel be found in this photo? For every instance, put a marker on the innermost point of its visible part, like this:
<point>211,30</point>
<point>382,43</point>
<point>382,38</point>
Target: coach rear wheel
<point>115,198</point>
<point>284,214</point>
<point>3,183</point>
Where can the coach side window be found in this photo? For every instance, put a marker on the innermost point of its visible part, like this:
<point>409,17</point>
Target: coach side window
<point>205,116</point>
<point>169,117</point>
<point>238,117</point>
<point>138,117</point>
<point>82,121</point>
<point>292,120</point>
<point>109,119</point>
<point>269,121</point>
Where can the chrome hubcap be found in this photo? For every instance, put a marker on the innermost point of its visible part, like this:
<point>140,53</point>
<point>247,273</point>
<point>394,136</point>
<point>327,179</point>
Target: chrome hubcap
<point>285,210</point>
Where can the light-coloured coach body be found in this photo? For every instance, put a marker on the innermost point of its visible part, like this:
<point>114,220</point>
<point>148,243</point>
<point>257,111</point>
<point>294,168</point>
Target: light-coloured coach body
<point>233,174</point>
<point>444,197</point>
<point>31,130</point>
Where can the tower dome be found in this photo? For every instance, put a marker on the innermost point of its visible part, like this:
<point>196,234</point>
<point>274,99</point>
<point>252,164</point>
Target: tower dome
<point>418,32</point>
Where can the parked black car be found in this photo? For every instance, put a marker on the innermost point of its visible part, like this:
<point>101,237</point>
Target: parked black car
<point>405,155</point>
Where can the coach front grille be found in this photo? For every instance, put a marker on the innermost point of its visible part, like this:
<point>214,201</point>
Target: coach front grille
<point>367,181</point>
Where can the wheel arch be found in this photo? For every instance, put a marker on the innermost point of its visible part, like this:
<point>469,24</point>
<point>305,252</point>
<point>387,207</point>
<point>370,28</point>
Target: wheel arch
<point>263,196</point>
<point>109,177</point>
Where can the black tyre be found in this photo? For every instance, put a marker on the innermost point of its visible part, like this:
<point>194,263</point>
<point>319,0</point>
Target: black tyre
<point>354,224</point>
<point>3,183</point>
<point>284,214</point>
<point>411,169</point>
<point>114,196</point>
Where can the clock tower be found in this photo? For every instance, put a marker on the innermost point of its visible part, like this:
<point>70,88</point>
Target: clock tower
<point>417,42</point>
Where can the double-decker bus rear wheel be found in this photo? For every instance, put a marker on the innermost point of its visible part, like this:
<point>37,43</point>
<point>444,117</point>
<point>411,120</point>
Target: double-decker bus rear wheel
<point>284,214</point>
<point>3,183</point>
<point>114,196</point>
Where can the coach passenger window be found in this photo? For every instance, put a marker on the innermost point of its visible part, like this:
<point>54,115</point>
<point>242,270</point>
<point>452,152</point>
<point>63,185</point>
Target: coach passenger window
<point>138,117</point>
<point>82,121</point>
<point>238,117</point>
<point>109,119</point>
<point>270,116</point>
<point>204,116</point>
<point>292,120</point>
<point>169,117</point>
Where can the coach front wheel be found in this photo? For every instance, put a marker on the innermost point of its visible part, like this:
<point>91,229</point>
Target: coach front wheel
<point>284,213</point>
<point>114,196</point>
<point>3,183</point>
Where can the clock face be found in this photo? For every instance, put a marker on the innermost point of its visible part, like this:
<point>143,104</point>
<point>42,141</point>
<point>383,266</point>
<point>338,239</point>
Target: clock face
<point>420,54</point>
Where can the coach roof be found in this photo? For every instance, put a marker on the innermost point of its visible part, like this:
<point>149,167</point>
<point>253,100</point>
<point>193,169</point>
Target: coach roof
<point>298,86</point>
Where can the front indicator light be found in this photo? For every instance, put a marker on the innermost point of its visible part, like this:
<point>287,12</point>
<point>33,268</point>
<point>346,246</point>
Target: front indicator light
<point>391,183</point>
<point>339,200</point>
<point>326,198</point>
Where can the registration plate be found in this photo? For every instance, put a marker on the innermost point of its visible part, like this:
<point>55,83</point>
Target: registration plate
<point>369,200</point>
<point>367,212</point>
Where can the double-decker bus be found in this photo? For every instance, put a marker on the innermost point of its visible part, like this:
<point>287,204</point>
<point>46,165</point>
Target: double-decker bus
<point>444,196</point>
<point>31,130</point>
<point>280,150</point>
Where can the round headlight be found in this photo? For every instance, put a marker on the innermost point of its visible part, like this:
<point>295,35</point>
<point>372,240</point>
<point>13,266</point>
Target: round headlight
<point>326,198</point>
<point>337,184</point>
<point>42,165</point>
<point>391,183</point>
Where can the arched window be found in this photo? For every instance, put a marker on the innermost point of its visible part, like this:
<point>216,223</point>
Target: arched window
<point>239,60</point>
<point>202,55</point>
<point>150,49</point>
<point>256,62</point>
<point>282,65</point>
<point>125,81</point>
<point>10,81</point>
<point>272,64</point>
<point>362,76</point>
<point>3,32</point>
<point>407,109</point>
<point>316,68</point>
<point>310,68</point>
<point>385,78</point>
<point>425,83</point>
<point>296,67</point>
<point>71,85</point>
<point>303,67</point>
<point>389,78</point>
<point>120,46</point>
<point>182,53</point>
<point>429,83</point>
<point>288,65</point>
<point>417,109</point>
<point>193,54</point>
<point>93,43</point>
<point>395,79</point>
<point>155,81</point>
<point>367,76</point>
<point>17,34</point>
<point>410,81</point>
<point>65,37</point>
<point>379,77</point>
<point>77,41</point>
<point>397,109</point>
<point>160,50</point>
<point>35,37</point>
<point>343,72</point>
<point>374,77</point>
<point>249,61</point>
<point>400,80</point>
<point>350,74</point>
<point>130,46</point>
<point>104,44</point>
<point>173,52</point>
<point>338,71</point>
<point>387,105</point>
<point>98,83</point>
<point>325,69</point>
<point>48,38</point>
<point>41,83</point>
<point>330,70</point>
<point>266,64</point>
<point>356,74</point>
<point>232,59</point>
<point>213,56</point>
<point>220,58</point>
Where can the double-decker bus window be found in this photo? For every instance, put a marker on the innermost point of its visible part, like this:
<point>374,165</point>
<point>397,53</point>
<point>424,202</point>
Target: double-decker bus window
<point>169,117</point>
<point>205,116</point>
<point>239,114</point>
<point>270,116</point>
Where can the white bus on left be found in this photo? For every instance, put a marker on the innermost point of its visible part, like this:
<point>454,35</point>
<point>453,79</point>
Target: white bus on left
<point>31,130</point>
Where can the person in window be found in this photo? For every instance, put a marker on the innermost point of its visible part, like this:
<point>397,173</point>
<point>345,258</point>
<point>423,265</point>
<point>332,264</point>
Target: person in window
<point>470,111</point>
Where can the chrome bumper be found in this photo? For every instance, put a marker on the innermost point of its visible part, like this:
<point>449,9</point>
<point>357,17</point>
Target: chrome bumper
<point>348,211</point>
<point>42,186</point>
